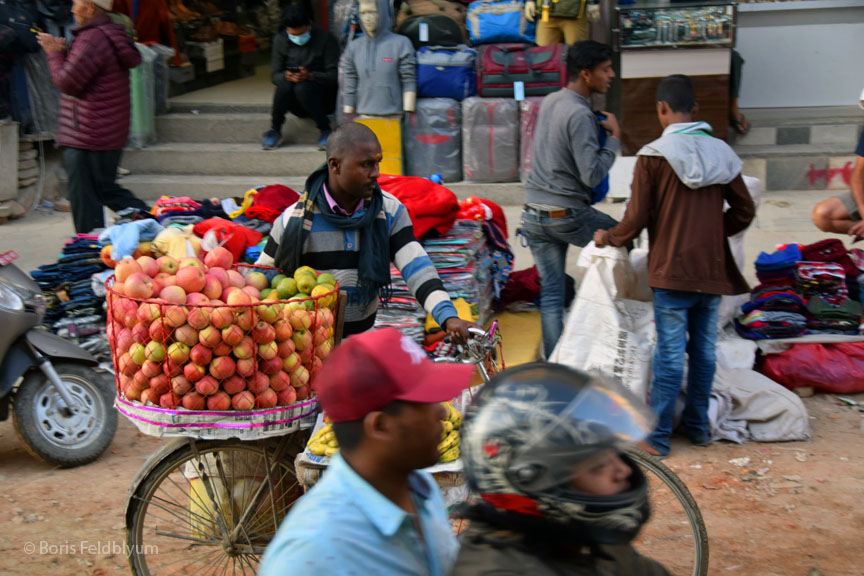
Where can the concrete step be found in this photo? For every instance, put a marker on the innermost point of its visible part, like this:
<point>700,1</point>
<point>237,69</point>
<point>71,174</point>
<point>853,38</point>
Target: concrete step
<point>149,187</point>
<point>811,116</point>
<point>230,128</point>
<point>247,159</point>
<point>190,106</point>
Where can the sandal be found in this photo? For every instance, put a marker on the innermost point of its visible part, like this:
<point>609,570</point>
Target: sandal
<point>740,124</point>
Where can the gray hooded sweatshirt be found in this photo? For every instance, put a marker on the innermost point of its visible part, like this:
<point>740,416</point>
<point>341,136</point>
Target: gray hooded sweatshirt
<point>379,69</point>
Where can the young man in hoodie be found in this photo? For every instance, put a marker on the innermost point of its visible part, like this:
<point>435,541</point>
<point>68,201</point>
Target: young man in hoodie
<point>93,78</point>
<point>679,186</point>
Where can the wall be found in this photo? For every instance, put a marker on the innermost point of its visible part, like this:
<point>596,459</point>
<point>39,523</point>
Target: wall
<point>806,53</point>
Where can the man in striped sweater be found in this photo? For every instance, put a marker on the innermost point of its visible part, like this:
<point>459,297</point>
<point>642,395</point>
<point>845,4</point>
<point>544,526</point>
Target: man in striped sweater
<point>346,225</point>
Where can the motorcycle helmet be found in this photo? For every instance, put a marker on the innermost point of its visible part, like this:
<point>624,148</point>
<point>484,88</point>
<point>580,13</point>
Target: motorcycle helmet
<point>534,428</point>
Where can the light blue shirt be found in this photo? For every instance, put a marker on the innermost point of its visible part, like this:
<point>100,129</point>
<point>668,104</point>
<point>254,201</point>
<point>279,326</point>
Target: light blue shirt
<point>344,526</point>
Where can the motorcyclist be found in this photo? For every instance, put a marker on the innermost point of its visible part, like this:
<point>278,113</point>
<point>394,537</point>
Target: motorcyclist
<point>543,448</point>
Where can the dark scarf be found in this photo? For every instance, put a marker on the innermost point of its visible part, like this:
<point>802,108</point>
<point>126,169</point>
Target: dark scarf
<point>373,269</point>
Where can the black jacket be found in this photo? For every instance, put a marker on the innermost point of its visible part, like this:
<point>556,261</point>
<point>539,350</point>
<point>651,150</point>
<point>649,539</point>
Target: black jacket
<point>483,550</point>
<point>320,56</point>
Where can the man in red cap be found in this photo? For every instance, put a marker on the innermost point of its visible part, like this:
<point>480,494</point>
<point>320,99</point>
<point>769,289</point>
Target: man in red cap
<point>375,511</point>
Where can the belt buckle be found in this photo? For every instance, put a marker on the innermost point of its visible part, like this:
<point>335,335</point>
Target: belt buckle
<point>557,213</point>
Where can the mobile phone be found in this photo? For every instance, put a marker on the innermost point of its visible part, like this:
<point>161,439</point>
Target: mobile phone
<point>293,69</point>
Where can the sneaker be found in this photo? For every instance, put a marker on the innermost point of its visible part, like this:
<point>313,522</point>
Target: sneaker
<point>271,140</point>
<point>322,140</point>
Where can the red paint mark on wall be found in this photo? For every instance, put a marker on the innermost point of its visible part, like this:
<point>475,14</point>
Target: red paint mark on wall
<point>823,177</point>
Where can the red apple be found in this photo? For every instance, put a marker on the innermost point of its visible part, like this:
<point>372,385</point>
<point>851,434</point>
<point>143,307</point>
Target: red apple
<point>173,294</point>
<point>200,355</point>
<point>246,367</point>
<point>193,372</point>
<point>222,367</point>
<point>244,318</point>
<point>258,383</point>
<point>151,369</point>
<point>169,401</point>
<point>286,397</point>
<point>148,266</point>
<point>194,401</point>
<point>235,279</point>
<point>197,299</point>
<point>125,268</point>
<point>180,385</point>
<point>302,393</point>
<point>285,349</point>
<point>210,337</point>
<point>263,332</point>
<point>234,384</point>
<point>283,329</point>
<point>219,257</point>
<point>178,352</point>
<point>243,400</point>
<point>190,262</point>
<point>219,401</point>
<point>191,278</point>
<point>222,349</point>
<point>221,317</point>
<point>139,285</point>
<point>212,286</point>
<point>221,275</point>
<point>271,366</point>
<point>279,381</point>
<point>266,399</point>
<point>268,350</point>
<point>207,386</point>
<point>245,349</point>
<point>232,335</point>
<point>175,316</point>
<point>155,351</point>
<point>199,317</point>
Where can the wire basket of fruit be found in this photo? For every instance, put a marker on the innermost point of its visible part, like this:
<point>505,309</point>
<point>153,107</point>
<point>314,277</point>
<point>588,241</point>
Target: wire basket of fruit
<point>214,350</point>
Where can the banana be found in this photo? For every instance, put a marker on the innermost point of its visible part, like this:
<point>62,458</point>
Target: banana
<point>450,441</point>
<point>333,444</point>
<point>450,409</point>
<point>448,427</point>
<point>317,449</point>
<point>449,455</point>
<point>331,451</point>
<point>456,419</point>
<point>326,438</point>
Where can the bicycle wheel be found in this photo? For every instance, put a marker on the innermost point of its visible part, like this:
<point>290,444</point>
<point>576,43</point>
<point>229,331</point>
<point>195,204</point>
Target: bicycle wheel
<point>210,507</point>
<point>675,535</point>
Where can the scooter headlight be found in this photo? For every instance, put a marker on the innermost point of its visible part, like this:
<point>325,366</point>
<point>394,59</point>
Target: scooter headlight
<point>9,299</point>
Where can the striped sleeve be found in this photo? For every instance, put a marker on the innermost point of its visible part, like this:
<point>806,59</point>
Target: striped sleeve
<point>416,267</point>
<point>268,255</point>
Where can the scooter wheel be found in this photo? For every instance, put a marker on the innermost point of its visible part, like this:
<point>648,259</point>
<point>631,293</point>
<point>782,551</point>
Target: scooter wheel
<point>59,436</point>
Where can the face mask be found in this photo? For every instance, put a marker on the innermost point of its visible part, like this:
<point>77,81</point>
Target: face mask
<point>302,39</point>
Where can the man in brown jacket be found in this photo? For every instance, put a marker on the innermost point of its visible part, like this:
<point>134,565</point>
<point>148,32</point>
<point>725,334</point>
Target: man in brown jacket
<point>679,186</point>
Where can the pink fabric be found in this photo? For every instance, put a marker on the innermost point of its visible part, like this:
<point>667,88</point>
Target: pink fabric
<point>334,206</point>
<point>93,78</point>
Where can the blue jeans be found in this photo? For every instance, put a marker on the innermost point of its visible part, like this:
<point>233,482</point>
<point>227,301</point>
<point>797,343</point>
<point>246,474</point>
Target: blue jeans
<point>548,239</point>
<point>679,314</point>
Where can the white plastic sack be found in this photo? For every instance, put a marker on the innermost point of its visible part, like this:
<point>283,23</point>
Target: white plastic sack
<point>607,331</point>
<point>730,306</point>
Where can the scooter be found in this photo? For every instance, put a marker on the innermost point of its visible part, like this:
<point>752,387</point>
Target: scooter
<point>61,401</point>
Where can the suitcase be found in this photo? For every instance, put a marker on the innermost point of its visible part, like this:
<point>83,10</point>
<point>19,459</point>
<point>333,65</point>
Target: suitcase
<point>491,21</point>
<point>440,30</point>
<point>490,139</point>
<point>414,8</point>
<point>445,72</point>
<point>432,139</point>
<point>388,129</point>
<point>530,110</point>
<point>542,69</point>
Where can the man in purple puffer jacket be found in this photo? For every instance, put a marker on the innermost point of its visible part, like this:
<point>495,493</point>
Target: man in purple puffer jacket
<point>93,77</point>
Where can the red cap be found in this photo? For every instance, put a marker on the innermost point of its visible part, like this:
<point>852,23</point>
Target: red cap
<point>369,371</point>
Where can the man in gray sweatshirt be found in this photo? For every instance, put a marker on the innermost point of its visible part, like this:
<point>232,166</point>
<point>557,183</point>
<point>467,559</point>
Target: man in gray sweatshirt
<point>569,161</point>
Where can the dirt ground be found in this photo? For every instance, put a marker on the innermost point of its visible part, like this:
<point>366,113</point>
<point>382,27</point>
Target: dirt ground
<point>795,506</point>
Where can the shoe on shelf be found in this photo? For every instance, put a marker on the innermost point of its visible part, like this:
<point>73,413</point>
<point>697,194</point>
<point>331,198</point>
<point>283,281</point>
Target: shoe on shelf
<point>271,139</point>
<point>322,139</point>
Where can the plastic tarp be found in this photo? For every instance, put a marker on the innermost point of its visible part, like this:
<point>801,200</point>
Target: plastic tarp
<point>836,368</point>
<point>432,139</point>
<point>490,139</point>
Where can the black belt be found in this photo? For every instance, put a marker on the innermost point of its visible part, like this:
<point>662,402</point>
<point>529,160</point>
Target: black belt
<point>560,213</point>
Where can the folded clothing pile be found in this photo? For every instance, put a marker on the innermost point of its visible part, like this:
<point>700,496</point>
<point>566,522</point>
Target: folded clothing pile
<point>827,318</point>
<point>833,250</point>
<point>74,310</point>
<point>764,324</point>
<point>826,279</point>
<point>778,268</point>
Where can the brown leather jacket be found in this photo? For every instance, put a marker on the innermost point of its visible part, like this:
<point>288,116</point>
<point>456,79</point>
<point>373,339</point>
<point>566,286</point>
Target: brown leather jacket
<point>484,552</point>
<point>687,229</point>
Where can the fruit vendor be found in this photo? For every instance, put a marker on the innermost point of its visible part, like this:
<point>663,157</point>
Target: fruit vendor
<point>345,225</point>
<point>375,511</point>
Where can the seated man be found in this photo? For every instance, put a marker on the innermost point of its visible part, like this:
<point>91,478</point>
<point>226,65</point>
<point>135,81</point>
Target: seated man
<point>842,214</point>
<point>543,449</point>
<point>374,511</point>
<point>305,65</point>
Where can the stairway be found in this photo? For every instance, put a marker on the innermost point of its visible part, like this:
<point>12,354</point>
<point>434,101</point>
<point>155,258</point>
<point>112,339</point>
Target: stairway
<point>214,150</point>
<point>801,148</point>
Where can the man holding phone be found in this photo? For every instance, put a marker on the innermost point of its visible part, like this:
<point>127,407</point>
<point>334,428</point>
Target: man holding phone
<point>304,69</point>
